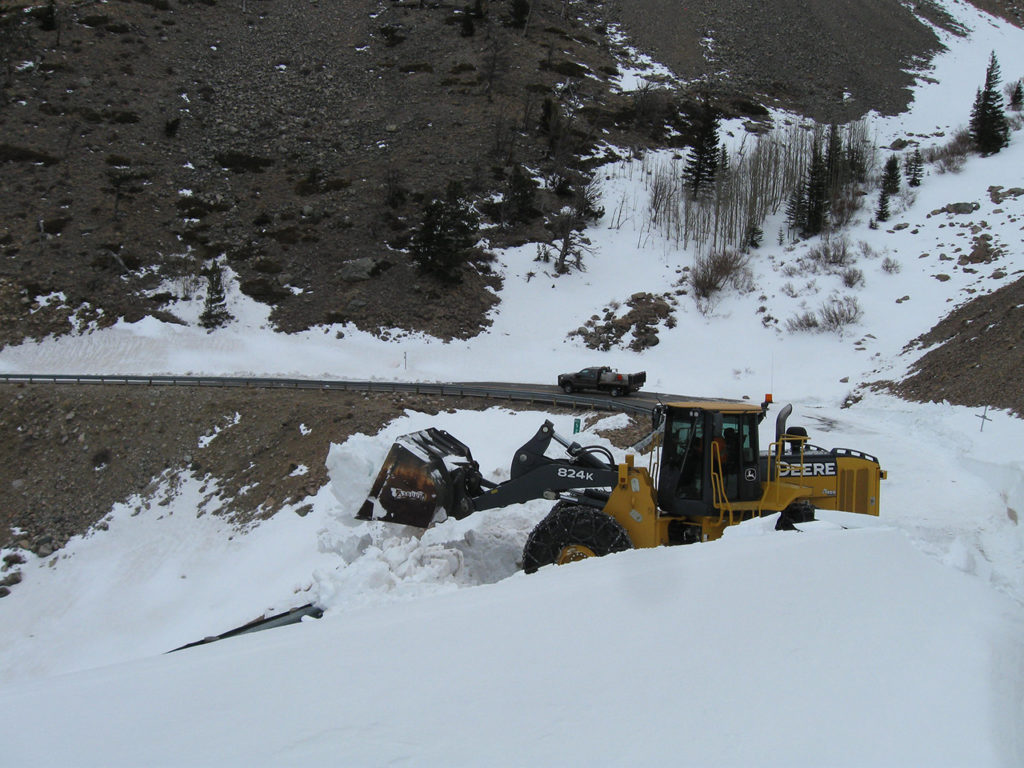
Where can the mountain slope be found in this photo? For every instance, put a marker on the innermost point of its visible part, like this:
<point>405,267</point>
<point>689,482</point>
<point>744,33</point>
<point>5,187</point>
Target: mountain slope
<point>143,140</point>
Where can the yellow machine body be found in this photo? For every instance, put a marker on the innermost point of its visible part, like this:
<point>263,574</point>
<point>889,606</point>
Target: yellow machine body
<point>792,477</point>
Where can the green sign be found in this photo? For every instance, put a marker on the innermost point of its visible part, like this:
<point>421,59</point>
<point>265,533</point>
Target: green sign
<point>575,426</point>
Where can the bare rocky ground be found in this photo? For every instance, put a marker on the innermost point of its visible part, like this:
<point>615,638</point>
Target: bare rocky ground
<point>975,355</point>
<point>141,139</point>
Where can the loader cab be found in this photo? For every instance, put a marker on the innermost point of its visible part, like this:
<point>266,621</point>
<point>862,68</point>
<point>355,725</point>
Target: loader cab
<point>708,447</point>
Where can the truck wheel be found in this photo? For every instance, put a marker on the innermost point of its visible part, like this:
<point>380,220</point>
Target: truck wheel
<point>567,388</point>
<point>572,532</point>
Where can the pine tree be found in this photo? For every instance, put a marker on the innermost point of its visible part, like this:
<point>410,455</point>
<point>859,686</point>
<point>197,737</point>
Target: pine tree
<point>215,312</point>
<point>519,196</point>
<point>754,236</point>
<point>989,128</point>
<point>1017,97</point>
<point>703,158</point>
<point>520,13</point>
<point>914,168</point>
<point>446,234</point>
<point>835,161</point>
<point>796,210</point>
<point>856,162</point>
<point>882,214</point>
<point>817,193</point>
<point>891,176</point>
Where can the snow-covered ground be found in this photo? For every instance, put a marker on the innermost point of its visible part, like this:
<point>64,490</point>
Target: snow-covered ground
<point>898,643</point>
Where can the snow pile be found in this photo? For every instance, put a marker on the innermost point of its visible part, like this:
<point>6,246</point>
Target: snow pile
<point>800,650</point>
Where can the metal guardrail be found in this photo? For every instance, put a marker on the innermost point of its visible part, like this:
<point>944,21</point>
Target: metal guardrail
<point>491,391</point>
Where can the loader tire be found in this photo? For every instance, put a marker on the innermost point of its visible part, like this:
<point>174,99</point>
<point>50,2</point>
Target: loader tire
<point>572,532</point>
<point>797,512</point>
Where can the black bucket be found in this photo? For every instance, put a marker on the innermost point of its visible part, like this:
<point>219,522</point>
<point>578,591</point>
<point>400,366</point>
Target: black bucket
<point>422,481</point>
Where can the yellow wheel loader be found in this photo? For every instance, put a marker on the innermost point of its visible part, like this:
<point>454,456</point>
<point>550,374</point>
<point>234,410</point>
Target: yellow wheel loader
<point>705,472</point>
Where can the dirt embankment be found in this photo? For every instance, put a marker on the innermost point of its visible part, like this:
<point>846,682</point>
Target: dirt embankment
<point>68,453</point>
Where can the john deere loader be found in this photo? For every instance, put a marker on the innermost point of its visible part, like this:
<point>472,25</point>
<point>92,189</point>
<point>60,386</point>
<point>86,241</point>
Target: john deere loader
<point>705,472</point>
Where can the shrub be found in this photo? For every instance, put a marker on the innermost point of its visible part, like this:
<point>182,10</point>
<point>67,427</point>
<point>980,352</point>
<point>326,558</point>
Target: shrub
<point>852,277</point>
<point>836,314</point>
<point>832,252</point>
<point>866,250</point>
<point>950,157</point>
<point>806,321</point>
<point>890,265</point>
<point>652,105</point>
<point>711,273</point>
<point>845,205</point>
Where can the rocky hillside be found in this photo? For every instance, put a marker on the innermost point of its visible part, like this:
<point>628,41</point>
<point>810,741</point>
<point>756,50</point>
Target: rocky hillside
<point>298,146</point>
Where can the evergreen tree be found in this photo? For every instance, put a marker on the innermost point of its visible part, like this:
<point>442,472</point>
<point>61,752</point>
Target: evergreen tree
<point>703,158</point>
<point>520,13</point>
<point>1017,97</point>
<point>914,168</point>
<point>817,193</point>
<point>796,210</point>
<point>446,234</point>
<point>215,311</point>
<point>856,163</point>
<point>989,128</point>
<point>753,236</point>
<point>835,161</point>
<point>891,176</point>
<point>519,196</point>
<point>882,214</point>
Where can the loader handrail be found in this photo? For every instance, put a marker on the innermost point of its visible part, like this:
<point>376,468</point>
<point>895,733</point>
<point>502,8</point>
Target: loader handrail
<point>775,470</point>
<point>718,496</point>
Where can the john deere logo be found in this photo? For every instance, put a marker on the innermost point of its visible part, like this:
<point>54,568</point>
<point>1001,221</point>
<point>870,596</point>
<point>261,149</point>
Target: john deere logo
<point>817,469</point>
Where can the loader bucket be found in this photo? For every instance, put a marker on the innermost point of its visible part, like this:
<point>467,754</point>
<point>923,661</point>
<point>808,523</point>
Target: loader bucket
<point>422,481</point>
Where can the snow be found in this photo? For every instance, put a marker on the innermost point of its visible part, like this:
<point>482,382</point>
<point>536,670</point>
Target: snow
<point>889,642</point>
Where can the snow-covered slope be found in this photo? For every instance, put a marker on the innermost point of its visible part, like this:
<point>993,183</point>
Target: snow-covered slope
<point>826,648</point>
<point>894,644</point>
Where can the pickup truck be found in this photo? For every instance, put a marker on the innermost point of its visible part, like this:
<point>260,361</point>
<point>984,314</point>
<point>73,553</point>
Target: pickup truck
<point>603,379</point>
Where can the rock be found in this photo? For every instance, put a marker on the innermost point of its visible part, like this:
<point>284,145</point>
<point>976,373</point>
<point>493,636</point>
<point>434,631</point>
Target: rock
<point>14,558</point>
<point>358,270</point>
<point>957,208</point>
<point>263,289</point>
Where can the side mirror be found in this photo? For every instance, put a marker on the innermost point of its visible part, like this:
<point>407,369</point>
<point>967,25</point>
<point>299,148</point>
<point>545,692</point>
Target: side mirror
<point>657,416</point>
